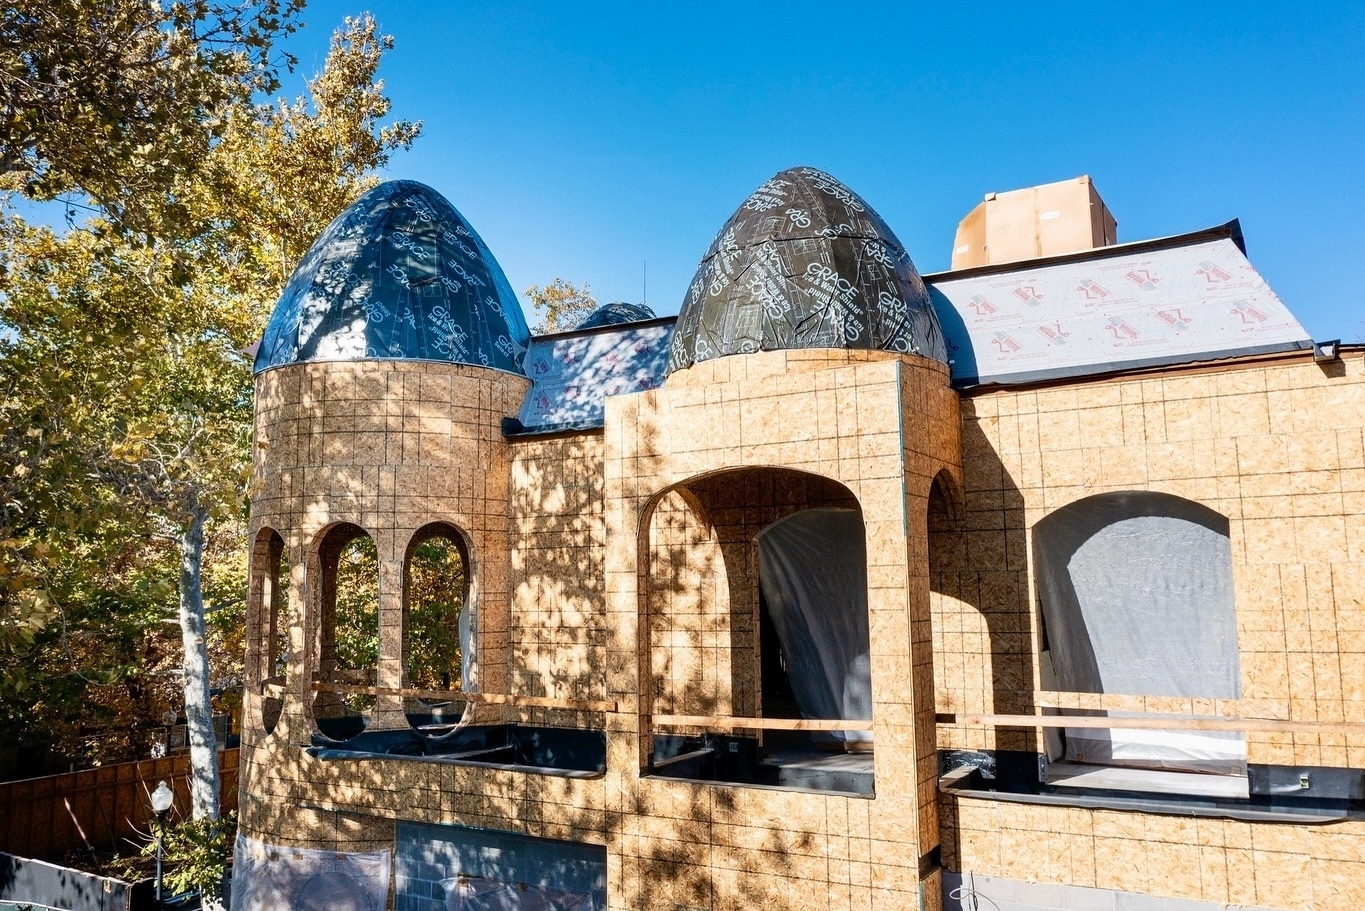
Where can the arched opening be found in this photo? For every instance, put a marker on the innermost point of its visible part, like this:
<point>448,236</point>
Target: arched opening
<point>269,597</point>
<point>1137,599</point>
<point>754,586</point>
<point>438,647</point>
<point>347,630</point>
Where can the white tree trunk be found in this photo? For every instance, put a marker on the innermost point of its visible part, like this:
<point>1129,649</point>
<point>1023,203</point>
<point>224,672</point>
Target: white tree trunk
<point>198,712</point>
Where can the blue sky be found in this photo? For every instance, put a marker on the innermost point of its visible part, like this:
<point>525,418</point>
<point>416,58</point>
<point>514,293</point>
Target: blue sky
<point>583,142</point>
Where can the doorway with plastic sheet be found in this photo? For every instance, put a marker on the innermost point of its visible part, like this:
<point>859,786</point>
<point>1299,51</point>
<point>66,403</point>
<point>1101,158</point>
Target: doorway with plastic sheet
<point>813,591</point>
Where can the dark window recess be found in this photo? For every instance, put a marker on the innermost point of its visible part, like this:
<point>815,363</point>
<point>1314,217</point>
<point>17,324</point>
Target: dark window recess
<point>562,751</point>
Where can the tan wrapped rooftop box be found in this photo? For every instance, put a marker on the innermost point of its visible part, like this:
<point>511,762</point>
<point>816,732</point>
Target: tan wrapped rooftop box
<point>1063,217</point>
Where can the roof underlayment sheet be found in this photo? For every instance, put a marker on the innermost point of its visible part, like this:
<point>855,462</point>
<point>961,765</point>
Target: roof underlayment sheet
<point>574,372</point>
<point>1163,302</point>
<point>1170,301</point>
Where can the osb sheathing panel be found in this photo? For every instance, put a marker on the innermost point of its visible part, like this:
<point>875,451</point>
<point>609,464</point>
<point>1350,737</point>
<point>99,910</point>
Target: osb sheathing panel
<point>558,544</point>
<point>1277,449</point>
<point>1263,864</point>
<point>565,633</point>
<point>838,416</point>
<point>390,447</point>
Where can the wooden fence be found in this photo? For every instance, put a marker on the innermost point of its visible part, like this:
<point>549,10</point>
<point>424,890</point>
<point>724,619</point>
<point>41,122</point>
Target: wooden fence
<point>101,809</point>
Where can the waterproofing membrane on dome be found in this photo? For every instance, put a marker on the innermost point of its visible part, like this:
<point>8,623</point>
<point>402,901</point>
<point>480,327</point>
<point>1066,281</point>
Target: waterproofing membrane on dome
<point>617,313</point>
<point>400,274</point>
<point>804,263</point>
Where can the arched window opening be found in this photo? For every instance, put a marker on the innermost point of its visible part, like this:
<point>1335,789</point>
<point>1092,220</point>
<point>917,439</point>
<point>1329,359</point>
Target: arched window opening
<point>348,633</point>
<point>1137,599</point>
<point>756,598</point>
<point>270,597</point>
<point>438,651</point>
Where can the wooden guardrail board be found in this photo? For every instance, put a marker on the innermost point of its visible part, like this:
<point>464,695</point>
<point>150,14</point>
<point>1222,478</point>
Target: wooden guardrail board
<point>733,723</point>
<point>1154,723</point>
<point>545,702</point>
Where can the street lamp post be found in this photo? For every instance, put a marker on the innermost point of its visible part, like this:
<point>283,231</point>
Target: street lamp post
<point>162,798</point>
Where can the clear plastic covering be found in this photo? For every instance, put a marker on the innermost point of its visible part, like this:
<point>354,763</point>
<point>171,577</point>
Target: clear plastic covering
<point>812,568</point>
<point>805,263</point>
<point>1137,597</point>
<point>615,314</point>
<point>399,274</point>
<point>466,893</point>
<point>269,878</point>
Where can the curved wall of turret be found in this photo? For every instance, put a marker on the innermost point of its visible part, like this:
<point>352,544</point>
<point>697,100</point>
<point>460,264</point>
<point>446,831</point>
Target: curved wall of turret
<point>390,447</point>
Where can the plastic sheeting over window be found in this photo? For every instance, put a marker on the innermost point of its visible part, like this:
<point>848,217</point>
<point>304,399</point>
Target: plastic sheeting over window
<point>804,263</point>
<point>399,274</point>
<point>269,878</point>
<point>813,573</point>
<point>468,894</point>
<point>1137,597</point>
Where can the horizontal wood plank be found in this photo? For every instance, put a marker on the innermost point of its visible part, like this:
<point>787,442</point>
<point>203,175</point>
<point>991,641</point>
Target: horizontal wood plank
<point>1176,723</point>
<point>732,723</point>
<point>577,705</point>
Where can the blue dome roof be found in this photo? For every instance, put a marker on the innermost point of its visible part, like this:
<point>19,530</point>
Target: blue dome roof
<point>617,313</point>
<point>398,275</point>
<point>805,263</point>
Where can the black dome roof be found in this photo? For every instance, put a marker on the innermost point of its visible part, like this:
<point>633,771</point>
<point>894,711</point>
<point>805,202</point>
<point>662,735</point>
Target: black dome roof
<point>804,263</point>
<point>400,274</point>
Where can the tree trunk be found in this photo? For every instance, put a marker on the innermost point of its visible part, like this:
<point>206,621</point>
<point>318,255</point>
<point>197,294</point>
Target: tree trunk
<point>198,712</point>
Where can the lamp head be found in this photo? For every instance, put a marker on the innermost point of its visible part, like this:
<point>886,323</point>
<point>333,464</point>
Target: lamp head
<point>162,798</point>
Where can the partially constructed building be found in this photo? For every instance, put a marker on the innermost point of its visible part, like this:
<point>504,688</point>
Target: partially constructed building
<point>1039,583</point>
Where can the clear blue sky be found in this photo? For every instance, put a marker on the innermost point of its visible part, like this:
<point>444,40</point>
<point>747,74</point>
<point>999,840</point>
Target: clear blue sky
<point>582,142</point>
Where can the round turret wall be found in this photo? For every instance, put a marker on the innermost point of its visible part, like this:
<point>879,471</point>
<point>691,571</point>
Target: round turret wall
<point>389,447</point>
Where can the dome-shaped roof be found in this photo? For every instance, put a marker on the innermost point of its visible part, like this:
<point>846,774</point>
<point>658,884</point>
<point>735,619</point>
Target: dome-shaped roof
<point>615,314</point>
<point>400,274</point>
<point>804,263</point>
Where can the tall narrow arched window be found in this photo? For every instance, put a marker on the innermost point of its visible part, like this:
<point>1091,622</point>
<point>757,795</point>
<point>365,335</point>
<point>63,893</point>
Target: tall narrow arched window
<point>438,628</point>
<point>1137,599</point>
<point>347,630</point>
<point>269,598</point>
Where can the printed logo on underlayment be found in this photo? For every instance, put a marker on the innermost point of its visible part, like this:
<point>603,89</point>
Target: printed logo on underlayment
<point>1028,295</point>
<point>768,196</point>
<point>799,217</point>
<point>1055,333</point>
<point>1174,318</point>
<point>1091,290</point>
<point>1121,329</point>
<point>1248,313</point>
<point>1004,343</point>
<point>1143,278</point>
<point>540,367</point>
<point>980,306</point>
<point>1212,274</point>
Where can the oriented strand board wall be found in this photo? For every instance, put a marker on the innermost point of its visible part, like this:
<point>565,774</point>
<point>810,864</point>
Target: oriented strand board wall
<point>558,538</point>
<point>689,614</point>
<point>389,446</point>
<point>1277,448</point>
<point>883,427</point>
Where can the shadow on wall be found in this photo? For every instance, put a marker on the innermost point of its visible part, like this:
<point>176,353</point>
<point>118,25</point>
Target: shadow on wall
<point>978,574</point>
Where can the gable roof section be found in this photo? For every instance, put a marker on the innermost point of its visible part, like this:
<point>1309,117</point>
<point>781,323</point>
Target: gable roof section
<point>1173,300</point>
